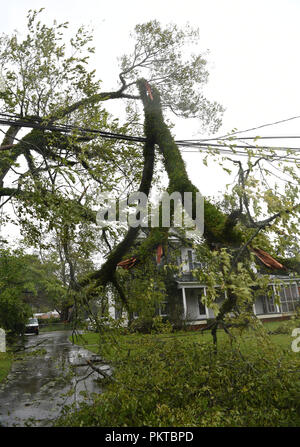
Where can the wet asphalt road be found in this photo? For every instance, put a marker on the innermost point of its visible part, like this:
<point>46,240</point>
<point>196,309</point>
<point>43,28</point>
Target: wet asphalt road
<point>35,391</point>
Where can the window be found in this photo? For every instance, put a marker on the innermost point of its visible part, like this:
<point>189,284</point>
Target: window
<point>164,309</point>
<point>118,313</point>
<point>288,297</point>
<point>269,306</point>
<point>201,306</point>
<point>190,260</point>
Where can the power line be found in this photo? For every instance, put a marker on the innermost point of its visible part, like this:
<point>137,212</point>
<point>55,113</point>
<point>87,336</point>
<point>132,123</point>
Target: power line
<point>68,129</point>
<point>39,120</point>
<point>244,154</point>
<point>233,146</point>
<point>254,128</point>
<point>14,120</point>
<point>276,137</point>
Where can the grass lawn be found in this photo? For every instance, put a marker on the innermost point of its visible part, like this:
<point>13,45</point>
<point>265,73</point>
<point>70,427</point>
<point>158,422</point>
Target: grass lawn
<point>54,327</point>
<point>122,345</point>
<point>5,365</point>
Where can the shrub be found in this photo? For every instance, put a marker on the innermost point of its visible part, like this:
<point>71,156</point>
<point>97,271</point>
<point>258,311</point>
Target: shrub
<point>148,325</point>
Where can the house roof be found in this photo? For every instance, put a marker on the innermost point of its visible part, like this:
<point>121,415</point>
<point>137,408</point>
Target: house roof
<point>267,259</point>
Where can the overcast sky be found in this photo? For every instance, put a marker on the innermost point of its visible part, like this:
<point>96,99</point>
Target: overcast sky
<point>253,54</point>
<point>254,45</point>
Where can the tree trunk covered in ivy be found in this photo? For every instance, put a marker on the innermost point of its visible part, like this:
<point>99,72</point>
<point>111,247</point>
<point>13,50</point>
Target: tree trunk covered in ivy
<point>219,228</point>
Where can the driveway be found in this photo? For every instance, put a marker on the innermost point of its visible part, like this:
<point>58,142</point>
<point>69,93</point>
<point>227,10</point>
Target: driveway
<point>38,387</point>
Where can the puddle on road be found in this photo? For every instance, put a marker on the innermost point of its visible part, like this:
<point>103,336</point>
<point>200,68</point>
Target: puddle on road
<point>38,387</point>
